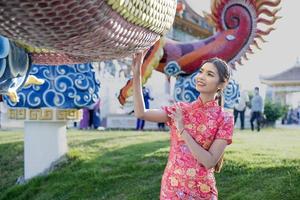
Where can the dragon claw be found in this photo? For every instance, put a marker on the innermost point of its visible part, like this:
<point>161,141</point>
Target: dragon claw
<point>33,80</point>
<point>13,96</point>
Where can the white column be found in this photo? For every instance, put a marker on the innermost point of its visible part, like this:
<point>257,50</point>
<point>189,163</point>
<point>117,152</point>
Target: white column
<point>44,143</point>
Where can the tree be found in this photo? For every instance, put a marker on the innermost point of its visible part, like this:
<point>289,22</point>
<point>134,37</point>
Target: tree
<point>273,111</point>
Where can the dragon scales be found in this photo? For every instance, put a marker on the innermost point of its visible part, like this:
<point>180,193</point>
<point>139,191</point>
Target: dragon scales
<point>53,32</point>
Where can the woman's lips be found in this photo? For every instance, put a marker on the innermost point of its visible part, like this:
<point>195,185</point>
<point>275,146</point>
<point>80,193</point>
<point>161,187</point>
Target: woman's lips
<point>200,83</point>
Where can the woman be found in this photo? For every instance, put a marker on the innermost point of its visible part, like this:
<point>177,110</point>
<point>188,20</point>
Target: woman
<point>200,132</point>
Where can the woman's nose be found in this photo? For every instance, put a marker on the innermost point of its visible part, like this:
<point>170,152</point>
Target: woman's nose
<point>200,77</point>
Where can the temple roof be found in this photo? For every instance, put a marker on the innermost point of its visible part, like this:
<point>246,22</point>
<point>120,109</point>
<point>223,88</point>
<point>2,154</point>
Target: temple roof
<point>190,13</point>
<point>290,76</point>
<point>191,21</point>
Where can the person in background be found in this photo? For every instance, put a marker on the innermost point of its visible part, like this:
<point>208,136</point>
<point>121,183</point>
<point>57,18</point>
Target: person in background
<point>161,126</point>
<point>293,116</point>
<point>90,117</point>
<point>240,108</point>
<point>256,109</point>
<point>298,114</point>
<point>140,123</point>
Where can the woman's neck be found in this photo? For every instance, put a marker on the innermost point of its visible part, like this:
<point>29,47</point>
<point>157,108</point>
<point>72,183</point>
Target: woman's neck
<point>207,97</point>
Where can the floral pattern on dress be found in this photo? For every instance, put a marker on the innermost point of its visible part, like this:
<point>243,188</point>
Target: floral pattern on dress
<point>184,177</point>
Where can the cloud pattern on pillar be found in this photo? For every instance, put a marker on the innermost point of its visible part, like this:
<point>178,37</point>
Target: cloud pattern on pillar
<point>65,86</point>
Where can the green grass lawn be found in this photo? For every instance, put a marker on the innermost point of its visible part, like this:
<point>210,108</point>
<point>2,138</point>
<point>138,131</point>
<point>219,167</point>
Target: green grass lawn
<point>129,165</point>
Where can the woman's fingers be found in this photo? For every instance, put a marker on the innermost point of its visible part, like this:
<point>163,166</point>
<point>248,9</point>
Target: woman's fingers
<point>145,52</point>
<point>137,61</point>
<point>177,108</point>
<point>173,112</point>
<point>139,56</point>
<point>175,115</point>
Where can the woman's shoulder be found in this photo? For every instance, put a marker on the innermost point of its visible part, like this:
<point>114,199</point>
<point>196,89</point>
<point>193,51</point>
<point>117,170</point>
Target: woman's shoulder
<point>226,114</point>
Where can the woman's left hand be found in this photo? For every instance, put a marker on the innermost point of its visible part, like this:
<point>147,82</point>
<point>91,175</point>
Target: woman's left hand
<point>177,116</point>
<point>137,61</point>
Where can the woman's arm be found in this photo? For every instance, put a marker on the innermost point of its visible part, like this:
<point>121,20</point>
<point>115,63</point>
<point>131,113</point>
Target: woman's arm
<point>154,115</point>
<point>209,158</point>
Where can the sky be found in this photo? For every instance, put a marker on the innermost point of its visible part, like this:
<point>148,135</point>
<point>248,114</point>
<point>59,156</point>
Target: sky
<point>279,54</point>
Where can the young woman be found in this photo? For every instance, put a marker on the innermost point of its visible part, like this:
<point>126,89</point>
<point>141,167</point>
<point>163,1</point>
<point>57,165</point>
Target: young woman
<point>200,132</point>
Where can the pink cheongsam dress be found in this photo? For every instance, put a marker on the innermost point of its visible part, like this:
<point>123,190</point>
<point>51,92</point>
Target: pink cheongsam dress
<point>184,177</point>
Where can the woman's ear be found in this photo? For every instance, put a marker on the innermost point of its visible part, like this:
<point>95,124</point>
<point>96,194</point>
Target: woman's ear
<point>223,85</point>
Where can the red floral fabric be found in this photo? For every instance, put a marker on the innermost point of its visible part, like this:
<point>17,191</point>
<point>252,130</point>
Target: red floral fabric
<point>184,177</point>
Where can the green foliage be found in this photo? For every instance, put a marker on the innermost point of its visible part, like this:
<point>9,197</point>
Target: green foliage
<point>274,111</point>
<point>129,165</point>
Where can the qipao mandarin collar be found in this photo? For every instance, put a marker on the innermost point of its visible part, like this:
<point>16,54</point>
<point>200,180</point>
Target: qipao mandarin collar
<point>200,104</point>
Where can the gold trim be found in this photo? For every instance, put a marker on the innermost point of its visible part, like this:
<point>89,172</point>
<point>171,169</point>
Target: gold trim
<point>12,114</point>
<point>34,114</point>
<point>67,114</point>
<point>47,114</point>
<point>44,114</point>
<point>21,114</point>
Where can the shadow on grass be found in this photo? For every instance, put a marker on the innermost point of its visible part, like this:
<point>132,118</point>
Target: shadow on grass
<point>92,142</point>
<point>239,181</point>
<point>11,165</point>
<point>132,172</point>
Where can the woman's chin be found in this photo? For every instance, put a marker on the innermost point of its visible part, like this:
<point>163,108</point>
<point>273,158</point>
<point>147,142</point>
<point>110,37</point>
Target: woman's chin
<point>200,89</point>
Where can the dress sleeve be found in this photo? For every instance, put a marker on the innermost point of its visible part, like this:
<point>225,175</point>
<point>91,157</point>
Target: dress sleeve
<point>167,110</point>
<point>225,129</point>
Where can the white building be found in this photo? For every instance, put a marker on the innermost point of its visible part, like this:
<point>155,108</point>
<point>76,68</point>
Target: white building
<point>284,87</point>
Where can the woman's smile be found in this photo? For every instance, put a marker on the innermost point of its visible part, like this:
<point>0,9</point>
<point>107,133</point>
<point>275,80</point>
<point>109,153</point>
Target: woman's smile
<point>201,83</point>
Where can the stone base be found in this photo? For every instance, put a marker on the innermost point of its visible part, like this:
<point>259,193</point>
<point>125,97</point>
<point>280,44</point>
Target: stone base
<point>44,144</point>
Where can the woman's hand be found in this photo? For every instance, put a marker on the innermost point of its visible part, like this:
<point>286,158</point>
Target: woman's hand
<point>137,61</point>
<point>177,116</point>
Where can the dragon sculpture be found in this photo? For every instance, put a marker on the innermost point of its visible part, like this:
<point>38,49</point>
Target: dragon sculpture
<point>71,32</point>
<point>237,32</point>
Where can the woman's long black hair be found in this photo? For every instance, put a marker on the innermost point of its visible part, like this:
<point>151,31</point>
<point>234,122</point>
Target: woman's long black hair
<point>224,75</point>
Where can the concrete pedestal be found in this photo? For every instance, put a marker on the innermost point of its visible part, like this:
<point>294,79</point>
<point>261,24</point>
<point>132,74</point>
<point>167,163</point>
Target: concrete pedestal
<point>44,143</point>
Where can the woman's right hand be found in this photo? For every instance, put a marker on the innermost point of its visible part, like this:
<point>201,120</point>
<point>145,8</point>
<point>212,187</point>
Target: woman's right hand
<point>137,61</point>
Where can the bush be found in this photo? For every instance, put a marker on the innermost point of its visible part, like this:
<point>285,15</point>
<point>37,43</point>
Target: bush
<point>274,111</point>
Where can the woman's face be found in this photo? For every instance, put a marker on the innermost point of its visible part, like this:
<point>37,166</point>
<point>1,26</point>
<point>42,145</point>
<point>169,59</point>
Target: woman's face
<point>208,80</point>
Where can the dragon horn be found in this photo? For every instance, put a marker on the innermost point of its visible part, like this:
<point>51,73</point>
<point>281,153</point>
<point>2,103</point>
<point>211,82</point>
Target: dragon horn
<point>267,32</point>
<point>267,12</point>
<point>268,22</point>
<point>260,3</point>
